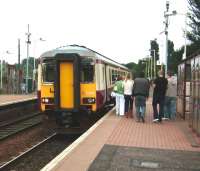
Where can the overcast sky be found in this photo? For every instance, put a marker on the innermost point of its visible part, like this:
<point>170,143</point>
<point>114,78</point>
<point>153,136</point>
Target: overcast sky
<point>118,29</point>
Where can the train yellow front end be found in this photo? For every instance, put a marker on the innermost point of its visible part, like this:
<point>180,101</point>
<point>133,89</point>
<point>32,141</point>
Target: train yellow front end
<point>63,96</point>
<point>74,83</point>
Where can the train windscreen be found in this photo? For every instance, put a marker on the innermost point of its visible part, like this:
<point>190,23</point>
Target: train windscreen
<point>48,72</point>
<point>87,70</point>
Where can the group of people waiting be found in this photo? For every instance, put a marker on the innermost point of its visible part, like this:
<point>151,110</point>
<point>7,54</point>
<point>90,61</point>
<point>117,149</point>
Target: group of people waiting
<point>164,96</point>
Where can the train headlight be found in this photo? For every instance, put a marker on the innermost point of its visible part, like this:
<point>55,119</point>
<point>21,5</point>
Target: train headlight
<point>89,100</point>
<point>47,100</point>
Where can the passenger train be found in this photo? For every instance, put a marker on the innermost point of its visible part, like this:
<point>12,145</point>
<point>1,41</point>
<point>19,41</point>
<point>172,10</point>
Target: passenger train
<point>75,81</point>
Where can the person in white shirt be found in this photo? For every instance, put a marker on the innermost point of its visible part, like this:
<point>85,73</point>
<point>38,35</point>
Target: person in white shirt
<point>170,98</point>
<point>128,95</point>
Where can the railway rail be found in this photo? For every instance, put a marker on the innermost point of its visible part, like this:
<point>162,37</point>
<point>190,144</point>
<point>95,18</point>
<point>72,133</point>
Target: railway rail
<point>10,128</point>
<point>10,163</point>
<point>42,153</point>
<point>39,155</point>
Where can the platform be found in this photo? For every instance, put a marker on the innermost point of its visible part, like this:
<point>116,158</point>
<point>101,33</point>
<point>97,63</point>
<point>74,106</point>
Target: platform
<point>117,143</point>
<point>6,99</point>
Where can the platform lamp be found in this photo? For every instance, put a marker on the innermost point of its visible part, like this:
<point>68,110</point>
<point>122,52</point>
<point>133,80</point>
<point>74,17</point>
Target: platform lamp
<point>28,42</point>
<point>167,14</point>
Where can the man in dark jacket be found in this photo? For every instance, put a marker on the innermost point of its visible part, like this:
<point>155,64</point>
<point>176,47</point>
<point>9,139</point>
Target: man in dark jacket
<point>141,93</point>
<point>160,87</point>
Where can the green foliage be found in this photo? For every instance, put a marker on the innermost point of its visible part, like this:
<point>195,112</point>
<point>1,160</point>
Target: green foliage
<point>171,58</point>
<point>177,57</point>
<point>30,67</point>
<point>136,68</point>
<point>154,49</point>
<point>194,16</point>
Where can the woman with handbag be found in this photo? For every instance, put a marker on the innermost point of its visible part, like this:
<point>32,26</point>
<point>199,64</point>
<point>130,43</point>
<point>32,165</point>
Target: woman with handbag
<point>119,96</point>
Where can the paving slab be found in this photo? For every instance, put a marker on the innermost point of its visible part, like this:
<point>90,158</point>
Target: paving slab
<point>118,158</point>
<point>119,143</point>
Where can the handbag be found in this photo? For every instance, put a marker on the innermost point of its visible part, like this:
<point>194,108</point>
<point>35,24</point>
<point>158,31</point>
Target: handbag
<point>113,94</point>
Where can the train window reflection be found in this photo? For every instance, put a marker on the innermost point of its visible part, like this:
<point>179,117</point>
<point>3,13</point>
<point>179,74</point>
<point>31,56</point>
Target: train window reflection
<point>87,70</point>
<point>48,71</point>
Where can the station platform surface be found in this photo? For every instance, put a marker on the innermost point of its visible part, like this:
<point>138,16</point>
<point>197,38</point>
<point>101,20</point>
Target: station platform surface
<point>14,98</point>
<point>117,143</point>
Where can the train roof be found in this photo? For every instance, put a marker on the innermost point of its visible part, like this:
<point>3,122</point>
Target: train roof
<point>82,51</point>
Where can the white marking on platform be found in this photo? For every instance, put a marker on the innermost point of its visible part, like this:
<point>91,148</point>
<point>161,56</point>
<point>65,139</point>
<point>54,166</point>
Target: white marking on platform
<point>69,149</point>
<point>152,165</point>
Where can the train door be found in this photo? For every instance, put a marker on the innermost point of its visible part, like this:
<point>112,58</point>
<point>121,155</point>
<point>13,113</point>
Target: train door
<point>67,82</point>
<point>66,85</point>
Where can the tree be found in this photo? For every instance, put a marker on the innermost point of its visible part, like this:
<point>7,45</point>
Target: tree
<point>171,58</point>
<point>136,68</point>
<point>133,67</point>
<point>30,67</point>
<point>154,49</point>
<point>177,57</point>
<point>194,16</point>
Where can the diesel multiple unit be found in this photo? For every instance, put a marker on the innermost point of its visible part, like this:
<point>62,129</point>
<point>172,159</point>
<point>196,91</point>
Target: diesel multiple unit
<point>74,81</point>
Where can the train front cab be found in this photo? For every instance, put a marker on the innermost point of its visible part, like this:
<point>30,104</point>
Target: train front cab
<point>68,90</point>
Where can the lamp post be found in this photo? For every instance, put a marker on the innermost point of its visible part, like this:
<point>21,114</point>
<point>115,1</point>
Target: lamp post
<point>146,61</point>
<point>154,62</point>
<point>149,67</point>
<point>166,15</point>
<point>185,34</point>
<point>27,67</point>
<point>154,56</point>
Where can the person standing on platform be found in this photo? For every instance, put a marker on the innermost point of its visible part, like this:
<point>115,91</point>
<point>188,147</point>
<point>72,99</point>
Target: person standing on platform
<point>170,98</point>
<point>141,93</point>
<point>128,90</point>
<point>119,96</point>
<point>160,87</point>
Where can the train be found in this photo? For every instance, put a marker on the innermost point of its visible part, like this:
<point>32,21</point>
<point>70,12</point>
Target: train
<point>75,82</point>
<point>188,101</point>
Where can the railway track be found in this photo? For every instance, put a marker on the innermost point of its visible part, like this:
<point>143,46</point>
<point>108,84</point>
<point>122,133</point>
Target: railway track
<point>39,155</point>
<point>12,162</point>
<point>36,157</point>
<point>8,129</point>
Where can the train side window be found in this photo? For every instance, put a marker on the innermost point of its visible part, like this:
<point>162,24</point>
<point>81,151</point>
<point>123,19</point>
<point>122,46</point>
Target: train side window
<point>87,70</point>
<point>48,72</point>
<point>113,77</point>
<point>110,76</point>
